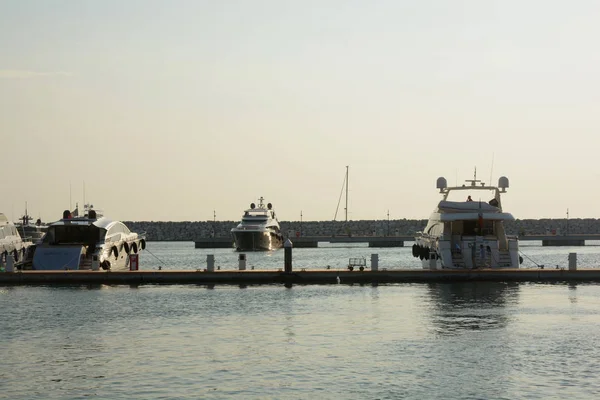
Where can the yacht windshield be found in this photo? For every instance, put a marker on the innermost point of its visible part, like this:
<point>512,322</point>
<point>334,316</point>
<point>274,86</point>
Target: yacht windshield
<point>482,195</point>
<point>74,234</point>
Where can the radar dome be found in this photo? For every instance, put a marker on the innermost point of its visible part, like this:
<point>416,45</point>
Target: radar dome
<point>441,183</point>
<point>503,182</point>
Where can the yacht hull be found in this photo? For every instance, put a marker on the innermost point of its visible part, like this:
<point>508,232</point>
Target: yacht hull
<point>256,241</point>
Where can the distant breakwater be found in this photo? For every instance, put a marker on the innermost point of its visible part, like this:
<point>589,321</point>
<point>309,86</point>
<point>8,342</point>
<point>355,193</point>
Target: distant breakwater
<point>190,230</point>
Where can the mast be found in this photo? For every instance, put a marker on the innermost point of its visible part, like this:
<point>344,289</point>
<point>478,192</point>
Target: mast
<point>346,209</point>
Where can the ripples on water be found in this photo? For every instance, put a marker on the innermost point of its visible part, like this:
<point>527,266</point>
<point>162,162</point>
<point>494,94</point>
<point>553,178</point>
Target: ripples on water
<point>454,340</point>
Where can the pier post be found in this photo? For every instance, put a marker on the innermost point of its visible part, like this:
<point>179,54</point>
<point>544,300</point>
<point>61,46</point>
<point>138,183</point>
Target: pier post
<point>134,262</point>
<point>572,261</point>
<point>242,262</point>
<point>374,262</point>
<point>287,256</point>
<point>210,263</point>
<point>432,261</point>
<point>10,263</point>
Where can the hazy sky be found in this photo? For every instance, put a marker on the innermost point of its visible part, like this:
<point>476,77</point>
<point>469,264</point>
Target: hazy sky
<point>170,110</point>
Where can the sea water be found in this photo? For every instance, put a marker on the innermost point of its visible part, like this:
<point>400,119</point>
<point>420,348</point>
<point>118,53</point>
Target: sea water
<point>418,341</point>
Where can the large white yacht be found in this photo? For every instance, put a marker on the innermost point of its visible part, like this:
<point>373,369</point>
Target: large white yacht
<point>75,243</point>
<point>11,243</point>
<point>468,233</point>
<point>258,230</point>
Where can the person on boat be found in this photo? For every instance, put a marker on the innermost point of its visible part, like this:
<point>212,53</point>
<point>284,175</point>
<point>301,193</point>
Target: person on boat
<point>469,198</point>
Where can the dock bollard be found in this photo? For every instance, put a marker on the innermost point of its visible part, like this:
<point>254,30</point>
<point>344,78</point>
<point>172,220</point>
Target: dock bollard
<point>287,256</point>
<point>242,261</point>
<point>210,263</point>
<point>572,261</point>
<point>10,263</point>
<point>374,262</point>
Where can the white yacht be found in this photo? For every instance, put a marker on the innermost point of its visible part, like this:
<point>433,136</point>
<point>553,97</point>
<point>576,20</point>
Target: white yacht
<point>11,243</point>
<point>468,233</point>
<point>76,243</point>
<point>258,230</point>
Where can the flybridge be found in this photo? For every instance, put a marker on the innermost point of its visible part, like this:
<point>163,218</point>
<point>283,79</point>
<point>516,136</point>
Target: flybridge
<point>442,185</point>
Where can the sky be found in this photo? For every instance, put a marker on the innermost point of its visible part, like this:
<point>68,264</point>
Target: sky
<point>191,110</point>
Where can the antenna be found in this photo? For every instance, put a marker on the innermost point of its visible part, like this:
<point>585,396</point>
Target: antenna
<point>474,180</point>
<point>69,195</point>
<point>84,194</point>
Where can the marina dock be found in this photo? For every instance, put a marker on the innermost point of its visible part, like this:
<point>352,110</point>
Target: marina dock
<point>261,277</point>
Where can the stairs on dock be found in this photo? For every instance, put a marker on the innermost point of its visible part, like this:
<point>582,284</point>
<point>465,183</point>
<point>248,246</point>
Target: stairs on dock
<point>85,263</point>
<point>504,259</point>
<point>457,261</point>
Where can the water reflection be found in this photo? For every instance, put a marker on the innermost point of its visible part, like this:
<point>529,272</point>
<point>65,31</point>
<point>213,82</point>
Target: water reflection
<point>462,306</point>
<point>573,292</point>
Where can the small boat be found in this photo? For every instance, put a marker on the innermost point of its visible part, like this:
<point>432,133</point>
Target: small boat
<point>258,229</point>
<point>468,234</point>
<point>34,231</point>
<point>88,242</point>
<point>11,243</point>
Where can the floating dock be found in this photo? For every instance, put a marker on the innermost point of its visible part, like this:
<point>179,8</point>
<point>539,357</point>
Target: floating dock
<point>256,277</point>
<point>393,241</point>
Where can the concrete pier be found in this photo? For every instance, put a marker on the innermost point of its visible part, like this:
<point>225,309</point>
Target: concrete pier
<point>246,277</point>
<point>395,241</point>
<point>313,241</point>
<point>214,243</point>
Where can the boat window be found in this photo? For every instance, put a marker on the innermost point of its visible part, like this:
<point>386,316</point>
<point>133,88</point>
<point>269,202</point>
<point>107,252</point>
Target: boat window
<point>254,219</point>
<point>73,234</point>
<point>124,228</point>
<point>469,228</point>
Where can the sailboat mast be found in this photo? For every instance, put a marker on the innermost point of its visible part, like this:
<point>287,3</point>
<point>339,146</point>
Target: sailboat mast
<point>346,194</point>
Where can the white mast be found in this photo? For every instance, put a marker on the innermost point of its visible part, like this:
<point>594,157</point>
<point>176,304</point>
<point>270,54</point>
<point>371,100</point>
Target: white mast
<point>346,194</point>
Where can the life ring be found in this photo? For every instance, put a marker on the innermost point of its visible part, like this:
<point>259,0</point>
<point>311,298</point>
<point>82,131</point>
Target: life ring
<point>126,247</point>
<point>115,251</point>
<point>143,244</point>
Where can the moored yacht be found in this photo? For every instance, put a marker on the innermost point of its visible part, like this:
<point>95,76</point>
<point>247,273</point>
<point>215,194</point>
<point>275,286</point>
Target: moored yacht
<point>35,231</point>
<point>75,243</point>
<point>258,230</point>
<point>468,233</point>
<point>11,243</point>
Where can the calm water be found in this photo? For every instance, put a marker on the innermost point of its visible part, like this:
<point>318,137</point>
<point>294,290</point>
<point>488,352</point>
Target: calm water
<point>419,341</point>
